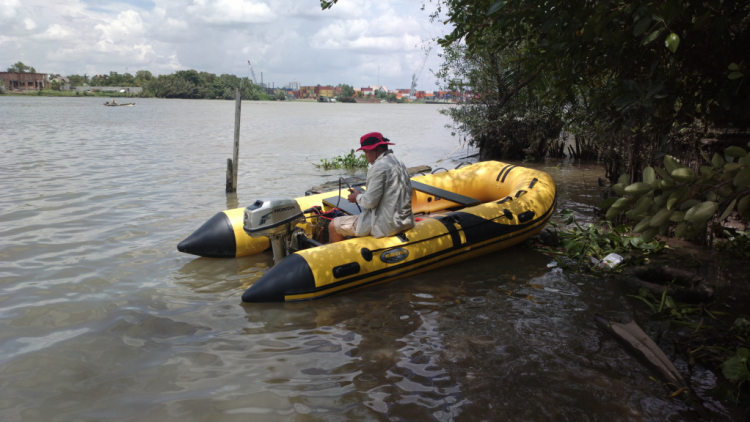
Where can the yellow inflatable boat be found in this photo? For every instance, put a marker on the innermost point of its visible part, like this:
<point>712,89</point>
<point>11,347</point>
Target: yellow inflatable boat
<point>461,214</point>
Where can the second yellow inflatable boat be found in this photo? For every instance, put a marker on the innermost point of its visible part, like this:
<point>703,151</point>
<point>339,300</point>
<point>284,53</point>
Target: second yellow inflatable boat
<point>460,214</point>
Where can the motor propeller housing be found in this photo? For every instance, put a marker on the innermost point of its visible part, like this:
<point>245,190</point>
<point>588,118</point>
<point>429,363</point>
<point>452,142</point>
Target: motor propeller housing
<point>277,219</point>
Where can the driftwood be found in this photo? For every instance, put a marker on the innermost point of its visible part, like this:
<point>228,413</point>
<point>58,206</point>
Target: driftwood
<point>682,285</point>
<point>636,341</point>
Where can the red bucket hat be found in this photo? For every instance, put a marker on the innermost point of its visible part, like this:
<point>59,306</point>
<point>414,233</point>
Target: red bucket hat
<point>371,140</point>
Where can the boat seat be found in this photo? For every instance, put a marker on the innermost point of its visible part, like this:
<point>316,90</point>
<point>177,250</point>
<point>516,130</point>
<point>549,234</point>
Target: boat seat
<point>444,194</point>
<point>343,204</point>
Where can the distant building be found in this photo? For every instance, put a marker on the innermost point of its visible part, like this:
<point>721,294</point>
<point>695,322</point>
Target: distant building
<point>378,89</point>
<point>124,89</point>
<point>314,92</point>
<point>324,91</point>
<point>63,81</point>
<point>294,86</point>
<point>24,81</point>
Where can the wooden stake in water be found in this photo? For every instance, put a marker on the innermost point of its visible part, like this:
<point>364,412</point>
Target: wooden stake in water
<point>233,163</point>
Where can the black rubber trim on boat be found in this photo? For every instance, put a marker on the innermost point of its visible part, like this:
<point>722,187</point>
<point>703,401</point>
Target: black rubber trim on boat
<point>501,172</point>
<point>519,193</point>
<point>346,270</point>
<point>366,254</point>
<point>533,182</point>
<point>449,222</point>
<point>214,239</point>
<point>292,274</point>
<point>508,214</point>
<point>504,200</point>
<point>525,216</point>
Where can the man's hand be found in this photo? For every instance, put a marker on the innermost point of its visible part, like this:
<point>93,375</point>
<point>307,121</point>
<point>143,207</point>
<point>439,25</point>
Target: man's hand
<point>352,195</point>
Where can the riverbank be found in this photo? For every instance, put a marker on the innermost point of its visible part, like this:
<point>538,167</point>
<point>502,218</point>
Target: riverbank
<point>53,93</point>
<point>691,300</point>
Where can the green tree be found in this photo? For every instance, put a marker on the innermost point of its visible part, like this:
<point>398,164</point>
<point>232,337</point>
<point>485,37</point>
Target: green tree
<point>346,90</point>
<point>519,126</point>
<point>142,77</point>
<point>78,80</point>
<point>19,67</point>
<point>642,65</point>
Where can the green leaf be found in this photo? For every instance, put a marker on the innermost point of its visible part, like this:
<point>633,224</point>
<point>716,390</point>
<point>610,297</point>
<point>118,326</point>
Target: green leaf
<point>642,25</point>
<point>736,75</point>
<point>638,189</point>
<point>663,173</point>
<point>744,205</point>
<point>677,217</point>
<point>608,202</point>
<point>649,234</point>
<point>642,205</point>
<point>672,42</point>
<point>649,175</point>
<point>612,213</point>
<point>619,188</point>
<point>652,36</point>
<point>643,225</point>
<point>733,66</point>
<point>742,179</point>
<point>701,212</point>
<point>660,217</point>
<point>671,164</point>
<point>735,369</point>
<point>735,152</point>
<point>676,196</point>
<point>728,211</point>
<point>684,174</point>
<point>680,230</point>
<point>717,161</point>
<point>622,203</point>
<point>496,6</point>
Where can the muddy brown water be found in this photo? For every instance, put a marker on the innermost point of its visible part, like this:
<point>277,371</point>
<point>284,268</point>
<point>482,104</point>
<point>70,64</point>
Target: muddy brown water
<point>102,318</point>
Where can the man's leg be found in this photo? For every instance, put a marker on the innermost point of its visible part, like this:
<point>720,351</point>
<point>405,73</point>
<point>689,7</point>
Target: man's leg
<point>341,227</point>
<point>333,235</point>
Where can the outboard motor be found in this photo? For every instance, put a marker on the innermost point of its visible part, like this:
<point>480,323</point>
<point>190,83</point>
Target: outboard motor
<point>277,220</point>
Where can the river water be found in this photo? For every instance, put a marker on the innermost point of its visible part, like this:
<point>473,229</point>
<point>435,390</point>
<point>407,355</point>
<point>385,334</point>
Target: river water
<point>102,319</point>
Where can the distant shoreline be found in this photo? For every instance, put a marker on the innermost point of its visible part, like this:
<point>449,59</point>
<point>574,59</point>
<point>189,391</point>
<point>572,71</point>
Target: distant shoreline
<point>114,94</point>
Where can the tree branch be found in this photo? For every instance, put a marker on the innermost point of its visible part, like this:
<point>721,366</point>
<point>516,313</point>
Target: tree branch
<point>523,83</point>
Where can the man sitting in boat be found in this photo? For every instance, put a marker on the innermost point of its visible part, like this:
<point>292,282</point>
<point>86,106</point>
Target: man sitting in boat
<point>386,206</point>
<point>114,102</point>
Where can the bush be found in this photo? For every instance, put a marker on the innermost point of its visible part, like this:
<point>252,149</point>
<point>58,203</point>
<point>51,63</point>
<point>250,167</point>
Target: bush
<point>675,199</point>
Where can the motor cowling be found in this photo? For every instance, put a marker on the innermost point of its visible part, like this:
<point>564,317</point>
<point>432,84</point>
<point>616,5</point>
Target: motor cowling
<point>275,218</point>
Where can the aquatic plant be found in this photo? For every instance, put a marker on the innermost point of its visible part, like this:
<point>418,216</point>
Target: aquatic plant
<point>348,161</point>
<point>584,248</point>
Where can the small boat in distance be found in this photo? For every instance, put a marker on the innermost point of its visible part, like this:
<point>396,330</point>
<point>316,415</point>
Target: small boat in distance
<point>114,103</point>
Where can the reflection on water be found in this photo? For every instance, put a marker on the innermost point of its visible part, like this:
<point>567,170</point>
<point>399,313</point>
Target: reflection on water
<point>103,319</point>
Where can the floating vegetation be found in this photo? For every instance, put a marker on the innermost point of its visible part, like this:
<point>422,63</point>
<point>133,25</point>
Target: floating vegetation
<point>348,161</point>
<point>587,248</point>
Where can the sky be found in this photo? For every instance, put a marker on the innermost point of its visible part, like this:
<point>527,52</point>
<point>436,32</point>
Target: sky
<point>357,42</point>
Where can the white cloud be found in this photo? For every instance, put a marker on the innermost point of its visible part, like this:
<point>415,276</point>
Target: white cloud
<point>128,25</point>
<point>29,24</point>
<point>9,10</point>
<point>55,32</point>
<point>221,12</point>
<point>285,39</point>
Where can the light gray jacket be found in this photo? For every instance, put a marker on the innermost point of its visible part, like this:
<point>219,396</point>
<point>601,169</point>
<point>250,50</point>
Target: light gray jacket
<point>386,206</point>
